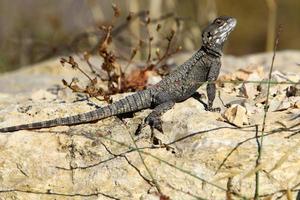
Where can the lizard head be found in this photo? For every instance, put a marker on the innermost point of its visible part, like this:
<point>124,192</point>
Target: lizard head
<point>216,33</point>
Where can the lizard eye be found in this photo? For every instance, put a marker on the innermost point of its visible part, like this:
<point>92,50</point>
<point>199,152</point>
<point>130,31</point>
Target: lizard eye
<point>218,21</point>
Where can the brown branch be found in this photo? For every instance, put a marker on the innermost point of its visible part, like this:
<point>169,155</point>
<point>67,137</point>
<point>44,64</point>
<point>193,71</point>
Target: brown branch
<point>166,54</point>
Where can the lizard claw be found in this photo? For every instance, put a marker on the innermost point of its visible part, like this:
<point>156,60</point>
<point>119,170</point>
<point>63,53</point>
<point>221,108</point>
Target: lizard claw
<point>227,105</point>
<point>139,129</point>
<point>211,109</point>
<point>154,122</point>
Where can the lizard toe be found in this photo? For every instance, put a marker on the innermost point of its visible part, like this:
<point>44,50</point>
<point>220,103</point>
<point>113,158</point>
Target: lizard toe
<point>216,109</point>
<point>155,122</point>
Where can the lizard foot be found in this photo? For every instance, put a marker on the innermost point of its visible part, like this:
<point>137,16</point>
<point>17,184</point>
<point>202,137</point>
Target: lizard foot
<point>154,121</point>
<point>227,105</point>
<point>139,129</point>
<point>156,141</point>
<point>211,109</point>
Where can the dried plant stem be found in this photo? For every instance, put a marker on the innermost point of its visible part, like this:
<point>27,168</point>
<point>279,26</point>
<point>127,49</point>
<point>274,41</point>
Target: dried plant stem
<point>229,189</point>
<point>85,74</point>
<point>155,8</point>
<point>135,26</point>
<point>266,108</point>
<point>150,38</point>
<point>272,12</point>
<point>258,162</point>
<point>166,54</point>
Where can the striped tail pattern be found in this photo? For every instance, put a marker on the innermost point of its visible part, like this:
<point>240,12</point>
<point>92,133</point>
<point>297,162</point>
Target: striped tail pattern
<point>137,101</point>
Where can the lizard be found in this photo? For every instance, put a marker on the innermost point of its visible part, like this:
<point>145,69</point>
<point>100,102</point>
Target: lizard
<point>179,85</point>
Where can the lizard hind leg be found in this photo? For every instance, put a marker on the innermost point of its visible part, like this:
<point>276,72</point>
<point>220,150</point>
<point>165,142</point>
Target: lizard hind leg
<point>154,120</point>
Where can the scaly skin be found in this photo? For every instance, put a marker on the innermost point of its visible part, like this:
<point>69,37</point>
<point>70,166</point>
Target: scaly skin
<point>203,66</point>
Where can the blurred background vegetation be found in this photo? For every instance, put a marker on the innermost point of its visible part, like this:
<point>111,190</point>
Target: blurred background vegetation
<point>32,31</point>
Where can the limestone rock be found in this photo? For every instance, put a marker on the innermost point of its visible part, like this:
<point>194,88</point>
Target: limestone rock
<point>100,161</point>
<point>284,105</point>
<point>297,104</point>
<point>237,115</point>
<point>41,95</point>
<point>250,89</point>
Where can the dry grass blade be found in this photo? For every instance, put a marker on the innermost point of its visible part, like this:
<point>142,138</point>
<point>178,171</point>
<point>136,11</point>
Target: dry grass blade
<point>225,177</point>
<point>229,189</point>
<point>285,157</point>
<point>186,192</point>
<point>272,13</point>
<point>252,171</point>
<point>289,195</point>
<point>268,198</point>
<point>228,174</point>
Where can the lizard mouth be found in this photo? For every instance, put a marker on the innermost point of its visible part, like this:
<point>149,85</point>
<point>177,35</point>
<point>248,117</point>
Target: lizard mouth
<point>228,28</point>
<point>232,23</point>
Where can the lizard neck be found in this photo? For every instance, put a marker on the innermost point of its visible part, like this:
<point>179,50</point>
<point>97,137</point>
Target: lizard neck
<point>212,51</point>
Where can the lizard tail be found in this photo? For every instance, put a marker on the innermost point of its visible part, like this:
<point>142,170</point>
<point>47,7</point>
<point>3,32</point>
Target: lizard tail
<point>131,103</point>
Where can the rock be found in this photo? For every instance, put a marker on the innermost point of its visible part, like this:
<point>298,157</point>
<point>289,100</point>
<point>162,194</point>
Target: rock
<point>152,80</point>
<point>297,104</point>
<point>292,91</point>
<point>280,105</point>
<point>278,76</point>
<point>286,61</point>
<point>284,105</point>
<point>237,115</point>
<point>274,104</point>
<point>252,109</point>
<point>241,102</point>
<point>42,95</point>
<point>88,160</point>
<point>293,77</point>
<point>250,89</point>
<point>262,96</point>
<point>249,73</point>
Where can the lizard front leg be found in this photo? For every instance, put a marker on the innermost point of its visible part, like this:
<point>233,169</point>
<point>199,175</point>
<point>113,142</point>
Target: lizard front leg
<point>211,87</point>
<point>211,94</point>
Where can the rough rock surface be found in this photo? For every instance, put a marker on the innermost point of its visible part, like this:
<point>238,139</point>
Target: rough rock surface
<point>99,160</point>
